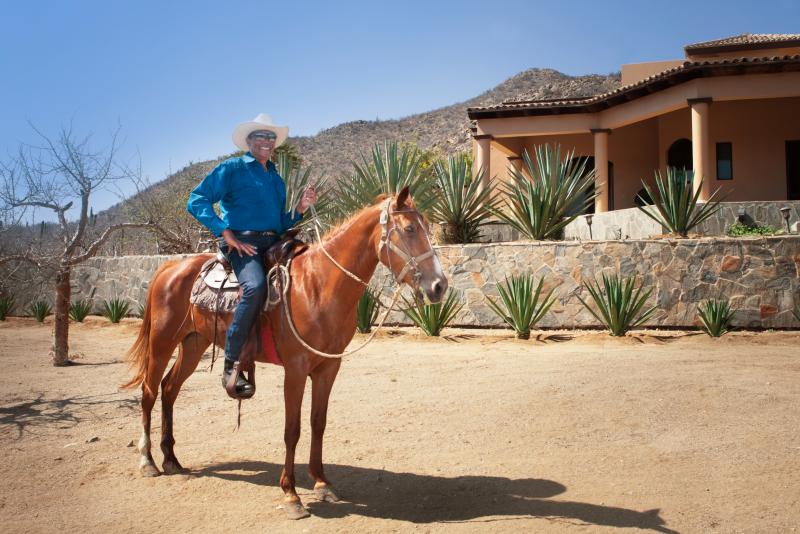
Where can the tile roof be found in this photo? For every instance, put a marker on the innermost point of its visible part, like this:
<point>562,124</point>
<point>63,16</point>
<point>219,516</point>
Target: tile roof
<point>682,73</point>
<point>746,39</point>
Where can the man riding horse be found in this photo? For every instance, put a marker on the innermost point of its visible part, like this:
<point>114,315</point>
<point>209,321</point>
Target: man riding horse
<point>251,198</point>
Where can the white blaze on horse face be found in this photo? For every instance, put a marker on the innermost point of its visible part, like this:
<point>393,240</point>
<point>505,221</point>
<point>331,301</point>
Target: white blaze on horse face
<point>436,284</point>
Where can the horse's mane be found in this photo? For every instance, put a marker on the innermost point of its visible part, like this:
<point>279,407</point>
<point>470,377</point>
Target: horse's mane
<point>337,229</point>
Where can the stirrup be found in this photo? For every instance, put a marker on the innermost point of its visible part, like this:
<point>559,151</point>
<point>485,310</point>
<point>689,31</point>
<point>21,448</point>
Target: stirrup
<point>230,385</point>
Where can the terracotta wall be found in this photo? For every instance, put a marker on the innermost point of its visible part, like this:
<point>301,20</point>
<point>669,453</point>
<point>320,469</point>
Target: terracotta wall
<point>635,72</point>
<point>758,130</point>
<point>634,152</point>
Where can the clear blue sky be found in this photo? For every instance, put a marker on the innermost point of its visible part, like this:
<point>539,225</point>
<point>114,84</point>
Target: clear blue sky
<point>179,75</point>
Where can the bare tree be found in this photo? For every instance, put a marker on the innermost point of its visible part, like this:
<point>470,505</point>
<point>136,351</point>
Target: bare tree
<point>163,206</point>
<point>54,176</point>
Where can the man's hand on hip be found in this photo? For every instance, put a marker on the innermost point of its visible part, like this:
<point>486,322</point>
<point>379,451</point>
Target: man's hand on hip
<point>243,249</point>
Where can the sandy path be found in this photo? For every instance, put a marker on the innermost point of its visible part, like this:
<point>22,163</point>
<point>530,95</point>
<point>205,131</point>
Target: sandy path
<point>473,432</point>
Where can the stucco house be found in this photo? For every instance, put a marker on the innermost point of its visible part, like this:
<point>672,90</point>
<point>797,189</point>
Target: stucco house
<point>730,111</point>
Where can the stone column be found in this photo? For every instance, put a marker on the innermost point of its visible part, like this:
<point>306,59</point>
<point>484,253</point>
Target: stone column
<point>701,149</point>
<point>601,201</point>
<point>481,160</point>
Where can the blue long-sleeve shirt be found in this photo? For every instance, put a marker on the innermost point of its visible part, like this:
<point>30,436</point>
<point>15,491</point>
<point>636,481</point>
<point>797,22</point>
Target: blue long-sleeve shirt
<point>250,198</point>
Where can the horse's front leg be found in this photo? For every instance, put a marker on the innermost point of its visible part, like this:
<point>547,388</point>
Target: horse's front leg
<point>322,379</point>
<point>294,384</point>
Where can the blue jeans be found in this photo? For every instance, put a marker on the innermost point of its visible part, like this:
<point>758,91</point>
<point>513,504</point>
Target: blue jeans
<point>252,279</point>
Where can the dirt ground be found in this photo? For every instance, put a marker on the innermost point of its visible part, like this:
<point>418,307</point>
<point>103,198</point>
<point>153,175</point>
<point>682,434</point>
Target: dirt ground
<point>476,431</point>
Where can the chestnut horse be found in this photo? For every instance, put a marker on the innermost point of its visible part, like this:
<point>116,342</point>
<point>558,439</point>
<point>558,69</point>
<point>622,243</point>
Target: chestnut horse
<point>322,301</point>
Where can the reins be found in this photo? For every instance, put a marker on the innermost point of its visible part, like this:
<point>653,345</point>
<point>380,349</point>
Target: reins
<point>281,272</point>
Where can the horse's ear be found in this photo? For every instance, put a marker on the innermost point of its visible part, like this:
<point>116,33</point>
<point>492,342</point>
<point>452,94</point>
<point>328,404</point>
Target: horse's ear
<point>402,197</point>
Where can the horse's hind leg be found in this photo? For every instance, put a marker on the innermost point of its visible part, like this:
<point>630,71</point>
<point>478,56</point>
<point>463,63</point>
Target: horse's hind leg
<point>191,350</point>
<point>155,369</point>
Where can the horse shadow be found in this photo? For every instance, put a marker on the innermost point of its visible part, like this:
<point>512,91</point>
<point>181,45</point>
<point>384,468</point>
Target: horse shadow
<point>423,499</point>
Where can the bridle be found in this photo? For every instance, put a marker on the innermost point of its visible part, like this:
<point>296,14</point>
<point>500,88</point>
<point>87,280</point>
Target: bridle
<point>411,263</point>
<point>386,217</point>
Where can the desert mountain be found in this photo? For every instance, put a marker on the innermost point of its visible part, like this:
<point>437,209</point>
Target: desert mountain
<point>445,129</point>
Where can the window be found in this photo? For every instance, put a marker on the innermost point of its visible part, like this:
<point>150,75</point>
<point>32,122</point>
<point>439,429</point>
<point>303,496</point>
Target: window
<point>724,161</point>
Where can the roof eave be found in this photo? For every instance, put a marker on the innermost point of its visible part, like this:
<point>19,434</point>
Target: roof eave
<point>683,75</point>
<point>737,47</point>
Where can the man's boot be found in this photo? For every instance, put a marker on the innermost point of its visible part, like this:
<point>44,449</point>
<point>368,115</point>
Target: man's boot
<point>244,389</point>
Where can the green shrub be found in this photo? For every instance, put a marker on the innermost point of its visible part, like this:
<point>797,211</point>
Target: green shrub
<point>462,206</point>
<point>556,193</point>
<point>366,311</point>
<point>115,309</point>
<point>738,229</point>
<point>716,316</point>
<point>675,206</point>
<point>79,309</point>
<point>432,318</point>
<point>619,307</point>
<point>140,310</point>
<point>389,168</point>
<point>522,304</point>
<point>296,179</point>
<point>40,309</point>
<point>6,305</point>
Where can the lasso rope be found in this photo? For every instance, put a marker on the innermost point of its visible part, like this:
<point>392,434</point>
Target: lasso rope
<point>284,280</point>
<point>283,277</point>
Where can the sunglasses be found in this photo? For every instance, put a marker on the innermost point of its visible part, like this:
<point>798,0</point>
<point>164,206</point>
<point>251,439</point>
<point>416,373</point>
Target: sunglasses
<point>262,136</point>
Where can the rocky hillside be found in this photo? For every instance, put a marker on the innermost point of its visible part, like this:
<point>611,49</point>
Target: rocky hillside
<point>445,129</point>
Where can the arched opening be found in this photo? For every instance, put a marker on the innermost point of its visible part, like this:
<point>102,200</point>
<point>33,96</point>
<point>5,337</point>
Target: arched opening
<point>679,155</point>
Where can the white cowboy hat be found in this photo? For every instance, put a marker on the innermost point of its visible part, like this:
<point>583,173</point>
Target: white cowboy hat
<point>261,122</point>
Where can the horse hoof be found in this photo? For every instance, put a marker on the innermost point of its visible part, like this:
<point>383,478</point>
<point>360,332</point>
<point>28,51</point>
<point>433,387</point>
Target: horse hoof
<point>295,510</point>
<point>325,494</point>
<point>174,468</point>
<point>149,470</point>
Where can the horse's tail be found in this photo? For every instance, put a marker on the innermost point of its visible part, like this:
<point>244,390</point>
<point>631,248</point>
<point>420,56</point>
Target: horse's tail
<point>139,353</point>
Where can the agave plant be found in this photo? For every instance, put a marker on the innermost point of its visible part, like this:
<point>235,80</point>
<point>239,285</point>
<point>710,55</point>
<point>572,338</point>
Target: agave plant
<point>140,310</point>
<point>558,191</point>
<point>675,205</point>
<point>432,318</point>
<point>716,316</point>
<point>796,312</point>
<point>6,304</point>
<point>367,311</point>
<point>115,309</point>
<point>40,309</point>
<point>462,206</point>
<point>620,308</point>
<point>387,170</point>
<point>522,305</point>
<point>296,179</point>
<point>79,309</point>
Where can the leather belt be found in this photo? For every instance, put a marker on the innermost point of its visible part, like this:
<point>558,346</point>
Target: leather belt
<point>256,233</point>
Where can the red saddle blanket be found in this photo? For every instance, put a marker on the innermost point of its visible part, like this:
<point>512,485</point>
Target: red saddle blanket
<point>268,346</point>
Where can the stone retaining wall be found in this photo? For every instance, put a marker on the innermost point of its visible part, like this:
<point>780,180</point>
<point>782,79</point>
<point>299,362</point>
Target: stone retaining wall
<point>758,275</point>
<point>631,223</point>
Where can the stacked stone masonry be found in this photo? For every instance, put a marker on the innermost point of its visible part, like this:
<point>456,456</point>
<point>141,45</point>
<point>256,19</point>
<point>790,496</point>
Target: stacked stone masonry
<point>758,275</point>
